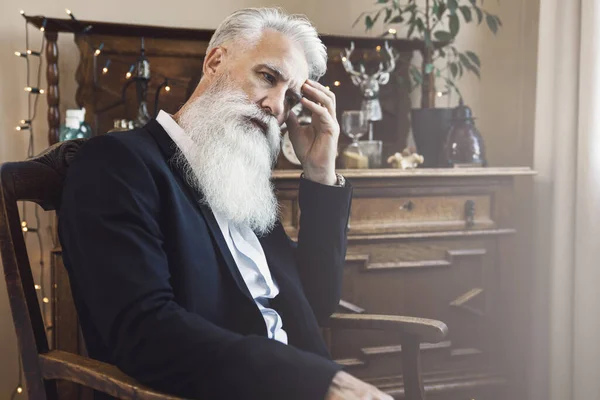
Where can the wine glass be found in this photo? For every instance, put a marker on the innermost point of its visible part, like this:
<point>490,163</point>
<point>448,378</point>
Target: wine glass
<point>354,124</point>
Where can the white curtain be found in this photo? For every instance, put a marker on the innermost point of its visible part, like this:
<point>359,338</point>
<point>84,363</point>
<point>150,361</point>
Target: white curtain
<point>566,313</point>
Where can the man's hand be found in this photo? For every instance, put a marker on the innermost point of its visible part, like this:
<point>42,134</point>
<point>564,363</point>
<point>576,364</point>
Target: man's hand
<point>316,144</point>
<point>346,387</point>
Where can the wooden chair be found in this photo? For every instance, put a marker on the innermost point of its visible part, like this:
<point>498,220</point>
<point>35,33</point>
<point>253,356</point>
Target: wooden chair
<point>40,180</point>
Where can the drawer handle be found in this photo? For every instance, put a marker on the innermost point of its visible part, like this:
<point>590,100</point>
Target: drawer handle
<point>469,213</point>
<point>408,206</point>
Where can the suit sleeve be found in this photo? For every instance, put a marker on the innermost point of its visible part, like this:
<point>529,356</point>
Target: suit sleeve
<point>322,241</point>
<point>110,232</point>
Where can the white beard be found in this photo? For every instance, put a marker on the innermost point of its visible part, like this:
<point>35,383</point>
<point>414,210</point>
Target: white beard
<point>229,159</point>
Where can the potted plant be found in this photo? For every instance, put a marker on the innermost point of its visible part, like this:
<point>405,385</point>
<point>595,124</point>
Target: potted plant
<point>436,23</point>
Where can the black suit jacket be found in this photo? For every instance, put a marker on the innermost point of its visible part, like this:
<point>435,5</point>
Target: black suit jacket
<point>158,292</point>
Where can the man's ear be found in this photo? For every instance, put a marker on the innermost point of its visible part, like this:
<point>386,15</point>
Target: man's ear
<point>213,60</point>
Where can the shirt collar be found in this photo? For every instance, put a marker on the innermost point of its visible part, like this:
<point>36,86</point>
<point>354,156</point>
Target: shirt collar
<point>173,129</point>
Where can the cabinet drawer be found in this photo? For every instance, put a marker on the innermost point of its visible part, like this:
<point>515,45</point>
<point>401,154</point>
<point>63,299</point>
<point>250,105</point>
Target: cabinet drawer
<point>372,215</point>
<point>446,279</point>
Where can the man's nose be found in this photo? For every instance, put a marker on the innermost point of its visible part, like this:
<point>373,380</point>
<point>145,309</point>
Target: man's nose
<point>274,105</point>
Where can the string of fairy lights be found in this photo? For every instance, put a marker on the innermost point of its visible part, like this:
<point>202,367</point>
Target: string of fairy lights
<point>31,224</point>
<point>31,56</point>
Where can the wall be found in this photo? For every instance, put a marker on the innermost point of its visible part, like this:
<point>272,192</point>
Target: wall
<point>503,100</point>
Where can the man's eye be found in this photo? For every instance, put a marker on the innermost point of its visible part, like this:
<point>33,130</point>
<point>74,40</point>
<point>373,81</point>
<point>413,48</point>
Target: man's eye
<point>269,78</point>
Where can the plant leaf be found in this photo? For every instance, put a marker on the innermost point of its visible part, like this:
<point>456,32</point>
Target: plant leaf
<point>441,10</point>
<point>382,1</point>
<point>416,74</point>
<point>452,86</point>
<point>443,36</point>
<point>428,68</point>
<point>453,70</point>
<point>369,22</point>
<point>466,12</point>
<point>454,25</point>
<point>359,18</point>
<point>498,20</point>
<point>411,29</point>
<point>452,6</point>
<point>492,24</point>
<point>473,57</point>
<point>465,61</point>
<point>377,16</point>
<point>397,19</point>
<point>479,15</point>
<point>420,25</point>
<point>388,14</point>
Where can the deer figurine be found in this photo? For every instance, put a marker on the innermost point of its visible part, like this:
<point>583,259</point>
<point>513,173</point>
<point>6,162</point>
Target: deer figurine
<point>370,84</point>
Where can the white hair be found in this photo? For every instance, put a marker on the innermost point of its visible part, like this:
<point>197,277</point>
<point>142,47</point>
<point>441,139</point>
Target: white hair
<point>228,158</point>
<point>247,26</point>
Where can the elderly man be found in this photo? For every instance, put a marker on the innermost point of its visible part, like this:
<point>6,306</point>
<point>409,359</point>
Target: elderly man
<point>181,273</point>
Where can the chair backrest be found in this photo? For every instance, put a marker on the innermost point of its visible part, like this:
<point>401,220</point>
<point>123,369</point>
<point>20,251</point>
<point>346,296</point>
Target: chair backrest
<point>39,180</point>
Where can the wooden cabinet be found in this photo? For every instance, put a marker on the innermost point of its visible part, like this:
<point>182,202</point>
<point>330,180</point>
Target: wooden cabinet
<point>424,243</point>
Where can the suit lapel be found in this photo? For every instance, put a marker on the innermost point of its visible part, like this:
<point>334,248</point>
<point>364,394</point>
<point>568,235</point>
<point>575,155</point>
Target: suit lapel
<point>169,149</point>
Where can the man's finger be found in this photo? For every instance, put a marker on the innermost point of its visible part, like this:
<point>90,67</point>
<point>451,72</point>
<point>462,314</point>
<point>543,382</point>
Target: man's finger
<point>319,86</point>
<point>315,108</point>
<point>319,96</point>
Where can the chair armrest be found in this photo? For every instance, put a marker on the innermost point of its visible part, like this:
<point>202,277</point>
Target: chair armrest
<point>97,375</point>
<point>427,330</point>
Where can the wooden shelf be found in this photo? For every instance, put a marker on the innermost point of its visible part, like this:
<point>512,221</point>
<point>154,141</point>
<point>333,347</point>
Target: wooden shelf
<point>59,25</point>
<point>418,173</point>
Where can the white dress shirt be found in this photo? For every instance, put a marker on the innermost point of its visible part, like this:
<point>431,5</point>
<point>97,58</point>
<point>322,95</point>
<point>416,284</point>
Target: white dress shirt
<point>245,249</point>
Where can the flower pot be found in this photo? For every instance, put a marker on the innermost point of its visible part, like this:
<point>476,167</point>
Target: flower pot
<point>430,127</point>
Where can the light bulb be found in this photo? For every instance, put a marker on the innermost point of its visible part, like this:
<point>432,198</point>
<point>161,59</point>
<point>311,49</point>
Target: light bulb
<point>104,70</point>
<point>22,12</point>
<point>37,287</point>
<point>42,29</point>
<point>68,11</point>
<point>344,59</point>
<point>168,88</point>
<point>336,83</point>
<point>97,52</point>
<point>378,48</point>
<point>392,31</point>
<point>46,300</point>
<point>128,75</point>
<point>19,390</point>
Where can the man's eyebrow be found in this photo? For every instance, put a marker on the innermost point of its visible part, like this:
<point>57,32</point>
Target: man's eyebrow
<point>280,75</point>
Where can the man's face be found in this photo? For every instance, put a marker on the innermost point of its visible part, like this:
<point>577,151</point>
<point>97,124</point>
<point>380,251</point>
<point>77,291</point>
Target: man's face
<point>270,74</point>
